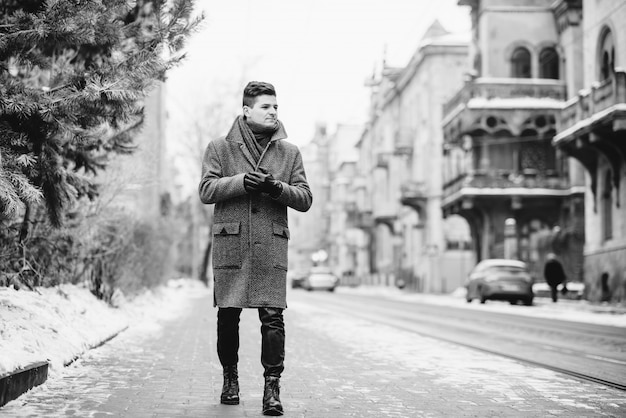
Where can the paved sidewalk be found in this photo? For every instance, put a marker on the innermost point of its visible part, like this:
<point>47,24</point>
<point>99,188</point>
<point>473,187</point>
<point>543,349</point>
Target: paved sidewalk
<point>336,366</point>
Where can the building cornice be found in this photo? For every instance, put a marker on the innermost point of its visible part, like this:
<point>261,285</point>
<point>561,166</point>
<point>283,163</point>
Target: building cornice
<point>567,13</point>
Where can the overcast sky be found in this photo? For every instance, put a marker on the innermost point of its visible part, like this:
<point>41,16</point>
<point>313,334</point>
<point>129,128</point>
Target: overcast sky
<point>317,53</point>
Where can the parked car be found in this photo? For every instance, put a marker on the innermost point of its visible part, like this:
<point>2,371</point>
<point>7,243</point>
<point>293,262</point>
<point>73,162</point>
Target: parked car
<point>321,279</point>
<point>500,279</point>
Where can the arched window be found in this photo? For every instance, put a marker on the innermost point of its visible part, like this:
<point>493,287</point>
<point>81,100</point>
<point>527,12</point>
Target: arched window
<point>520,63</point>
<point>606,56</point>
<point>549,64</point>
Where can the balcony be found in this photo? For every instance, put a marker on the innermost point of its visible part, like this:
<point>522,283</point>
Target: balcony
<point>506,88</point>
<point>413,193</point>
<point>382,160</point>
<point>603,104</point>
<point>506,184</point>
<point>403,141</point>
<point>493,105</point>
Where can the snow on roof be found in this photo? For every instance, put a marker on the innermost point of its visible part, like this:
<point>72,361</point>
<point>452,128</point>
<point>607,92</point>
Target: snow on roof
<point>515,103</point>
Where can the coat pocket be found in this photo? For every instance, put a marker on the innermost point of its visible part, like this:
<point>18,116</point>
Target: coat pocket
<point>280,239</point>
<point>227,245</point>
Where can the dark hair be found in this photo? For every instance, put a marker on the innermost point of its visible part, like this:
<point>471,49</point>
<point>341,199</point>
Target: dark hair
<point>254,89</point>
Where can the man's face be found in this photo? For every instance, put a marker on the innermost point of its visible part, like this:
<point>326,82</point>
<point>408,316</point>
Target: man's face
<point>264,111</point>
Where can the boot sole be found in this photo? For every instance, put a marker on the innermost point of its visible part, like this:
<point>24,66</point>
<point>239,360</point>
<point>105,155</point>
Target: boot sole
<point>229,401</point>
<point>272,412</point>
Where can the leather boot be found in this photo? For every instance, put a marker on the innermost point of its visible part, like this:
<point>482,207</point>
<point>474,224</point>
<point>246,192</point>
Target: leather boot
<point>271,397</point>
<point>230,389</point>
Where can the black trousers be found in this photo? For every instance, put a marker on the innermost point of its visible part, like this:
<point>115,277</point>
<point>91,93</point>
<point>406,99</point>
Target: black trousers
<point>272,338</point>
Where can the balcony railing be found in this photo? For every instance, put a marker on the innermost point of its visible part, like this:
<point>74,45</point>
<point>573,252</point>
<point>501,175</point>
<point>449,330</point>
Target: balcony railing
<point>382,159</point>
<point>403,141</point>
<point>360,219</point>
<point>413,193</point>
<point>506,88</point>
<point>505,179</point>
<point>600,97</point>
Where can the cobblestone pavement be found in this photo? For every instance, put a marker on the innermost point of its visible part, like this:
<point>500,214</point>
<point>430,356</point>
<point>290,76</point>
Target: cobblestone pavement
<point>336,366</point>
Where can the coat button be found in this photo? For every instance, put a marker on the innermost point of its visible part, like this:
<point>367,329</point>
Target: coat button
<point>255,210</point>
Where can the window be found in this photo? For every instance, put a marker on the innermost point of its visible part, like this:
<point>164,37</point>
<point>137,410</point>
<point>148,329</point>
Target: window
<point>520,63</point>
<point>607,56</point>
<point>549,64</point>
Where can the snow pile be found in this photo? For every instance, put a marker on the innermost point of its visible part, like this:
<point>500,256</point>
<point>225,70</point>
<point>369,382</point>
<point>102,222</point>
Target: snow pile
<point>59,324</point>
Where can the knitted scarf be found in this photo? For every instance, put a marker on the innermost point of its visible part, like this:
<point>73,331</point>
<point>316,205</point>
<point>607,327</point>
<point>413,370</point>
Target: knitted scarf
<point>250,137</point>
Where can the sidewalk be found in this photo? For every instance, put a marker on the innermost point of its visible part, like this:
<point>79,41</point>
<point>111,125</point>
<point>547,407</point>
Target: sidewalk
<point>336,366</point>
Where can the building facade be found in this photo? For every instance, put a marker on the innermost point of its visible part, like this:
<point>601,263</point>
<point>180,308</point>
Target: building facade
<point>399,198</point>
<point>592,129</point>
<point>310,230</point>
<point>500,167</point>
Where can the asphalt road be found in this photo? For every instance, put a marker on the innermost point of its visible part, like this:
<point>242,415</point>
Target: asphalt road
<point>596,352</point>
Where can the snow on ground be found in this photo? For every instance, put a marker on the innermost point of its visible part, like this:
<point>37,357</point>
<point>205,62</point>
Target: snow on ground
<point>59,324</point>
<point>566,310</point>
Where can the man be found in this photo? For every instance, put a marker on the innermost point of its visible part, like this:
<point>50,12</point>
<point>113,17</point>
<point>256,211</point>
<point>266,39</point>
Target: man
<point>555,275</point>
<point>252,175</point>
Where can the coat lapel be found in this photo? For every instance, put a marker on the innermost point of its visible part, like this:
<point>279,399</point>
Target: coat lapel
<point>234,135</point>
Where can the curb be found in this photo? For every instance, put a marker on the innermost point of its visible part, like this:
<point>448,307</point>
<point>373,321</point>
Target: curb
<point>13,384</point>
<point>16,383</point>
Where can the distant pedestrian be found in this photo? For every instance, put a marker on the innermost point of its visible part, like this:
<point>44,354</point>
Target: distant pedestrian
<point>252,175</point>
<point>606,290</point>
<point>554,274</point>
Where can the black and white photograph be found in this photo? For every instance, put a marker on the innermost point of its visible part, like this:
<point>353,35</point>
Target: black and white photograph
<point>312,208</point>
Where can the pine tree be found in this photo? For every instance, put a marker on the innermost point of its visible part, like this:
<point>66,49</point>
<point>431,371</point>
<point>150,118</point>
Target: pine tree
<point>73,74</point>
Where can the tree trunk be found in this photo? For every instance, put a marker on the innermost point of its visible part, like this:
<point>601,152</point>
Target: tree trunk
<point>25,228</point>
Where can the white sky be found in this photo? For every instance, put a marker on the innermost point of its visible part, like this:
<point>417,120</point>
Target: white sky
<point>317,53</point>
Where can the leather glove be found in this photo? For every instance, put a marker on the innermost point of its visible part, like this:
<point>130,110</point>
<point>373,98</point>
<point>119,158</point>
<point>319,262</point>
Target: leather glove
<point>255,182</point>
<point>252,182</point>
<point>271,186</point>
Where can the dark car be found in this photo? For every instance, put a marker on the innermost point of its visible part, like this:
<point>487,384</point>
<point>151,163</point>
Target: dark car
<point>296,278</point>
<point>500,279</point>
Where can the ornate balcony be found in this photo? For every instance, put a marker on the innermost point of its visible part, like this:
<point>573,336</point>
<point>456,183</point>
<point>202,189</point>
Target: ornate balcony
<point>593,124</point>
<point>604,103</point>
<point>382,159</point>
<point>493,105</point>
<point>505,184</point>
<point>506,88</point>
<point>413,193</point>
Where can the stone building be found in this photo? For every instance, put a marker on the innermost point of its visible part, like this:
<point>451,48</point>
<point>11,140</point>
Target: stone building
<point>592,129</point>
<point>399,196</point>
<point>499,163</point>
<point>310,230</point>
<point>348,244</point>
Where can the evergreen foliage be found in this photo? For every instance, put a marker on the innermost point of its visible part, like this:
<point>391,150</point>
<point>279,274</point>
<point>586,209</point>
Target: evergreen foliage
<point>73,74</point>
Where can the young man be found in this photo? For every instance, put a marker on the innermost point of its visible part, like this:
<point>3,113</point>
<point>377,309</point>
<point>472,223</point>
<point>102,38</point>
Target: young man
<point>252,175</point>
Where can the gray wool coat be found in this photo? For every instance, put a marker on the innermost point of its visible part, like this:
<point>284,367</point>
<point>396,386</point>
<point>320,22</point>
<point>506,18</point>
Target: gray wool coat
<point>250,231</point>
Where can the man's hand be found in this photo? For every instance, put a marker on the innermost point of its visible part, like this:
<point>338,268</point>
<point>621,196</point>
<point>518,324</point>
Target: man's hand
<point>255,182</point>
<point>252,181</point>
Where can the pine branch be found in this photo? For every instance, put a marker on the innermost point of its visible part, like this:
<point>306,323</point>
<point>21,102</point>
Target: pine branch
<point>73,75</point>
